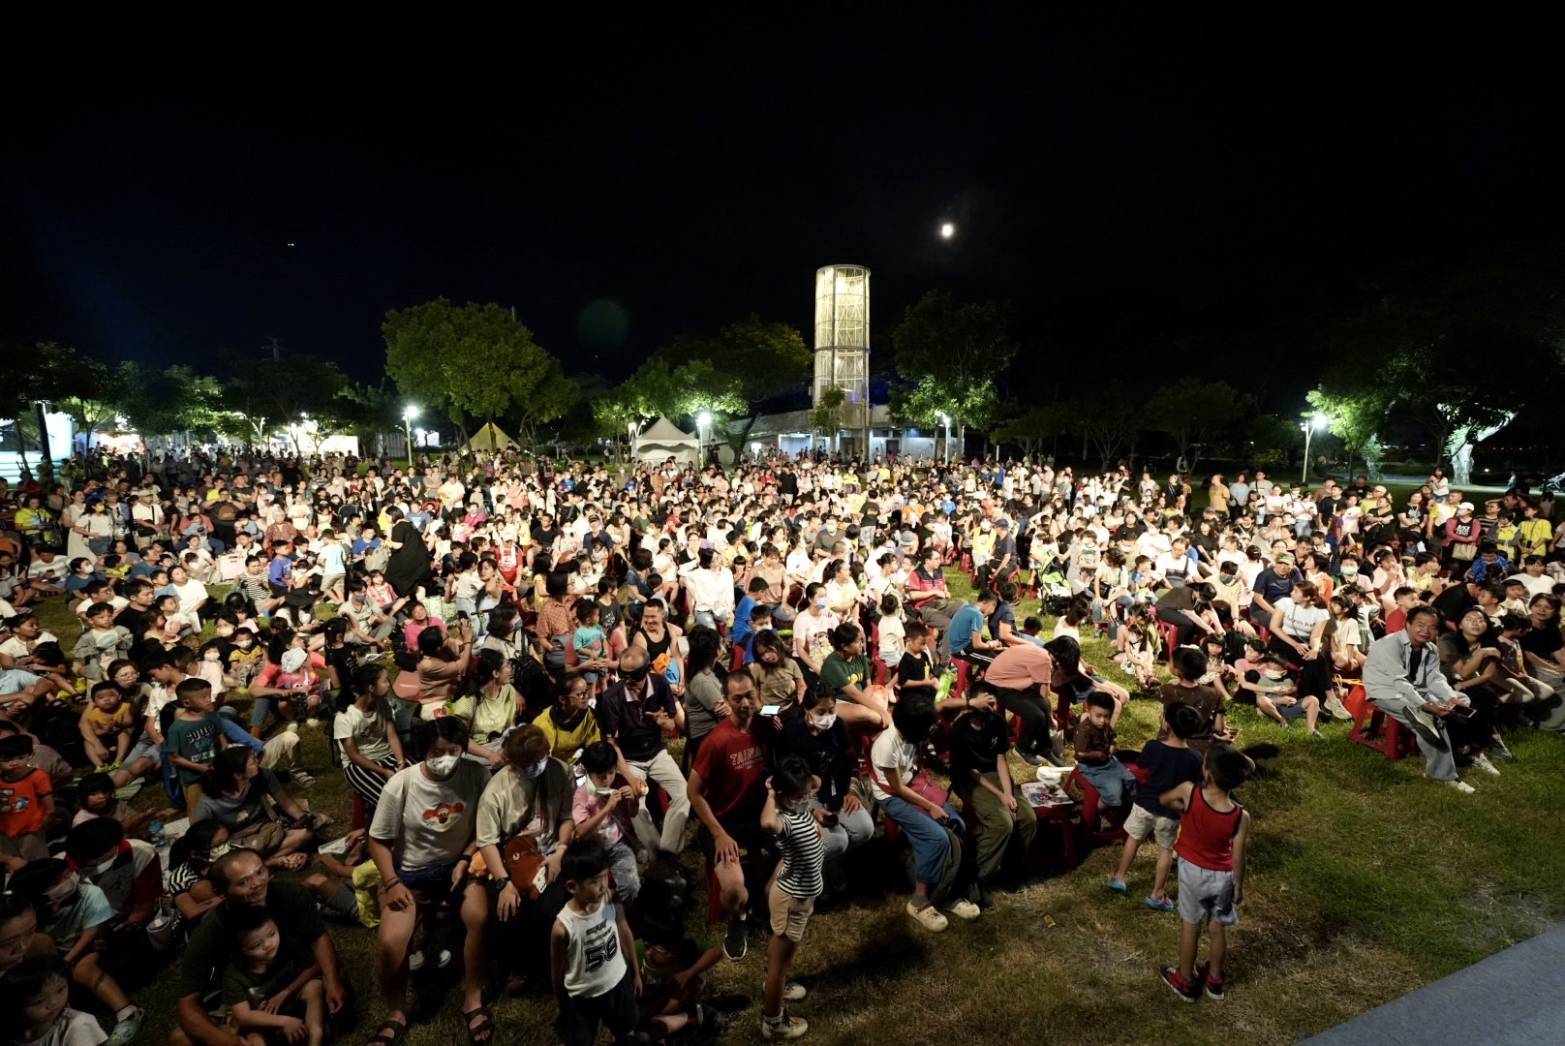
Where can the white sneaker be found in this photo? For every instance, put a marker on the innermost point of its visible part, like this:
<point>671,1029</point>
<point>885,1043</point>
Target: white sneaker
<point>1462,786</point>
<point>788,1027</point>
<point>793,991</point>
<point>1337,709</point>
<point>928,917</point>
<point>964,909</point>
<point>1481,761</point>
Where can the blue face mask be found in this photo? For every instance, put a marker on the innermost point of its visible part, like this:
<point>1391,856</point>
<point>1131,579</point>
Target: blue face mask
<point>535,770</point>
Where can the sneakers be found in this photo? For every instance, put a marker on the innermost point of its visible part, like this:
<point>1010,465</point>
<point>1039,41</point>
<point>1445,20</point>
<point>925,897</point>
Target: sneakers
<point>783,1027</point>
<point>793,991</point>
<point>1481,761</point>
<point>1503,752</point>
<point>127,1027</point>
<point>1117,885</point>
<point>736,942</point>
<point>1336,708</point>
<point>927,917</point>
<point>1216,987</point>
<point>1159,904</point>
<point>1176,982</point>
<point>1462,786</point>
<point>1030,758</point>
<point>964,909</point>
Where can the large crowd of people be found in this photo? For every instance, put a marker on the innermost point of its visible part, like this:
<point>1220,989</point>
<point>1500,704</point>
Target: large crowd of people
<point>569,700</point>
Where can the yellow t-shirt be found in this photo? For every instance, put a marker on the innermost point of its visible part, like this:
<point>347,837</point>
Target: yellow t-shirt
<point>122,718</point>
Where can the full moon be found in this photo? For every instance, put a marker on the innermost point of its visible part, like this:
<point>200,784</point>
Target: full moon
<point>947,230</point>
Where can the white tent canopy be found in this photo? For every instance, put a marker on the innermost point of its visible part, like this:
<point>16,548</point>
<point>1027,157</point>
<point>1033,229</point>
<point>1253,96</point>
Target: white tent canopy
<point>663,439</point>
<point>490,438</point>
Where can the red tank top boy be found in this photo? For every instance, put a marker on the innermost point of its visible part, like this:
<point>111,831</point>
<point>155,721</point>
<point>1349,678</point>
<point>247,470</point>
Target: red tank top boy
<point>1206,836</point>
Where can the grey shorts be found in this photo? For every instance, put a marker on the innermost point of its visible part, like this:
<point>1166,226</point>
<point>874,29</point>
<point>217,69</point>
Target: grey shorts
<point>144,748</point>
<point>1204,893</point>
<point>1142,824</point>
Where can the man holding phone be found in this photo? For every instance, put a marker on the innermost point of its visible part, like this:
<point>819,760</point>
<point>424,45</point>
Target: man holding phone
<point>639,714</point>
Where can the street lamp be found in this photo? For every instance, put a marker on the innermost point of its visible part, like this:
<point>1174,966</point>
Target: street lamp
<point>703,422</point>
<point>945,419</point>
<point>409,412</point>
<point>1309,425</point>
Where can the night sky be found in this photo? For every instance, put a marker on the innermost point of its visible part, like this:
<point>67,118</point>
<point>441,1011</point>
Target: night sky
<point>619,184</point>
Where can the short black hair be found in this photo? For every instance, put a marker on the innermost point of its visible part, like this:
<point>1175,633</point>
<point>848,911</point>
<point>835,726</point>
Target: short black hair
<point>1228,766</point>
<point>17,746</point>
<point>93,837</point>
<point>598,758</point>
<point>584,859</point>
<point>1100,699</point>
<point>791,777</point>
<point>1184,721</point>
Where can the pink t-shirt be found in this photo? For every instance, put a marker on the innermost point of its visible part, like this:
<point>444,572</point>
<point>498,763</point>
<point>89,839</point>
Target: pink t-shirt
<point>585,804</point>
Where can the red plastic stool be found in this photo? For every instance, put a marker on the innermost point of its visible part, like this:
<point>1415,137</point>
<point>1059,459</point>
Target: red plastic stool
<point>1383,734</point>
<point>1170,637</point>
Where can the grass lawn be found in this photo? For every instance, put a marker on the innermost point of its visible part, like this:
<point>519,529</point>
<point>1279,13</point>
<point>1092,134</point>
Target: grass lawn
<point>1365,881</point>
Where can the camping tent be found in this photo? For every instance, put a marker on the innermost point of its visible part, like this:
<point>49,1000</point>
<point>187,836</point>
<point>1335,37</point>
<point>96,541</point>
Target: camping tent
<point>490,439</point>
<point>664,440</point>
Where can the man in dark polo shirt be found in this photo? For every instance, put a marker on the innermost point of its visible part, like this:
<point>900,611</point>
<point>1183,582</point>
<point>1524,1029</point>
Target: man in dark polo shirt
<point>1272,584</point>
<point>243,880</point>
<point>639,713</point>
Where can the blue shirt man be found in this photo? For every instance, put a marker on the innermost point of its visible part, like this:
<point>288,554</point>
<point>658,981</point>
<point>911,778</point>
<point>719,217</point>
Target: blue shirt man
<point>967,627</point>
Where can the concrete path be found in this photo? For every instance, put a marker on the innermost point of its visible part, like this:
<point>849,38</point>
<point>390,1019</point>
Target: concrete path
<point>1513,998</point>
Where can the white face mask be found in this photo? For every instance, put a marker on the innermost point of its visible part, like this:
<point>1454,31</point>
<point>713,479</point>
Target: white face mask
<point>62,891</point>
<point>1275,674</point>
<point>442,766</point>
<point>823,722</point>
<point>603,790</point>
<point>218,851</point>
<point>212,655</point>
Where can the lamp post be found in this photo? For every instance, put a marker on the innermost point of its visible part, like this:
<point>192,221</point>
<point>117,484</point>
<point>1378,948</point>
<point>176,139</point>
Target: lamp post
<point>408,414</point>
<point>1309,425</point>
<point>703,423</point>
<point>945,419</point>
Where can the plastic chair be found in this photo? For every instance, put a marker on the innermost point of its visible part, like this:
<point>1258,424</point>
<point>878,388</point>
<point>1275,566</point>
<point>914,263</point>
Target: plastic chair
<point>1169,635</point>
<point>1381,733</point>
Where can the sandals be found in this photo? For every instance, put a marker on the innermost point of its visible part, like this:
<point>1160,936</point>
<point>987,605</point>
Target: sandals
<point>389,1033</point>
<point>483,1032</point>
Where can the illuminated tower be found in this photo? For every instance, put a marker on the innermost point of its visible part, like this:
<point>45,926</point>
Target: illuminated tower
<point>842,344</point>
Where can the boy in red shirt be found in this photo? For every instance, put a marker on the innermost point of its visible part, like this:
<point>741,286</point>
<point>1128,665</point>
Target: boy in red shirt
<point>727,792</point>
<point>1211,847</point>
<point>26,802</point>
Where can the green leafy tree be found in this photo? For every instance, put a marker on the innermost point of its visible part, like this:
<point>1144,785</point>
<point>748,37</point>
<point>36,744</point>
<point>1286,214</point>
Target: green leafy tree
<point>1104,420</point>
<point>1194,412</point>
<point>474,362</point>
<point>551,399</point>
<point>161,403</point>
<point>948,353</point>
<point>271,393</point>
<point>753,361</point>
<point>1034,428</point>
<point>1353,417</point>
<point>826,415</point>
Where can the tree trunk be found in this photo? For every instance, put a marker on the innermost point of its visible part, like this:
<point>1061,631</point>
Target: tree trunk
<point>1461,442</point>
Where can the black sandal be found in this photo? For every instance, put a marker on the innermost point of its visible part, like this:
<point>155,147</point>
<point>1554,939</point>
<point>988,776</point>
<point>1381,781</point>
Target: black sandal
<point>389,1033</point>
<point>483,1032</point>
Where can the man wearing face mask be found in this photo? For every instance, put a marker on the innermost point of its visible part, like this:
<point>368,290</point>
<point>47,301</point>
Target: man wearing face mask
<point>422,843</point>
<point>639,714</point>
<point>242,879</point>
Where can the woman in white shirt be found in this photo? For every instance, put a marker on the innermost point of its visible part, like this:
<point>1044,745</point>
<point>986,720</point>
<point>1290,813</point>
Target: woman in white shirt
<point>1298,628</point>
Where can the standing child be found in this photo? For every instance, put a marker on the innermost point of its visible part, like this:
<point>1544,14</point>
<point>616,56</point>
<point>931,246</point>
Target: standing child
<point>26,803</point>
<point>193,738</point>
<point>597,976</point>
<point>1168,763</point>
<point>1211,849</point>
<point>795,885</point>
<point>34,1001</point>
<point>1095,749</point>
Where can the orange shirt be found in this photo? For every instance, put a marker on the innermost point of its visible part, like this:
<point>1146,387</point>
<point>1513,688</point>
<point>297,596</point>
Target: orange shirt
<point>21,804</point>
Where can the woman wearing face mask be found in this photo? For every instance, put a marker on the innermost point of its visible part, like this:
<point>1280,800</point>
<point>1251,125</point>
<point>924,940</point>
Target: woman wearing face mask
<point>190,858</point>
<point>531,796</point>
<point>421,840</point>
<point>232,794</point>
<point>813,731</point>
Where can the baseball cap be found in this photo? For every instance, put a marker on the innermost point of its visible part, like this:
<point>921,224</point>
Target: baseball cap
<point>1285,558</point>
